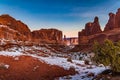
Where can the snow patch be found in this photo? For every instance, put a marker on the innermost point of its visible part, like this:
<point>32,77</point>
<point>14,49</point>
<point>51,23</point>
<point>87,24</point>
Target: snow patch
<point>13,54</point>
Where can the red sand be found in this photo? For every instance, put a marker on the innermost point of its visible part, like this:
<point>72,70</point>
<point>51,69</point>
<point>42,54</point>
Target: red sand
<point>29,68</point>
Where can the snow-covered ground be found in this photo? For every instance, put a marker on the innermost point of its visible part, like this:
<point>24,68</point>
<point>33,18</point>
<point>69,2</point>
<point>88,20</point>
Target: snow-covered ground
<point>83,70</point>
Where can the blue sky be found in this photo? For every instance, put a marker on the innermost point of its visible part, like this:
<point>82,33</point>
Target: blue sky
<point>70,16</point>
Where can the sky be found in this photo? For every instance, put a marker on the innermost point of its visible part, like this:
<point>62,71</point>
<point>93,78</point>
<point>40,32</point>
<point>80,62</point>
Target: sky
<point>69,16</point>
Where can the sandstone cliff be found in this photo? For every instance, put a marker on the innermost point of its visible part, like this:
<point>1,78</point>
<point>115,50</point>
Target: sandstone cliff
<point>91,28</point>
<point>15,25</point>
<point>10,34</point>
<point>12,29</point>
<point>111,22</point>
<point>47,35</point>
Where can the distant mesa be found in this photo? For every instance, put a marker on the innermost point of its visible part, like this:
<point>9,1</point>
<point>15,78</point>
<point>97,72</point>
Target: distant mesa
<point>47,35</point>
<point>93,32</point>
<point>71,41</point>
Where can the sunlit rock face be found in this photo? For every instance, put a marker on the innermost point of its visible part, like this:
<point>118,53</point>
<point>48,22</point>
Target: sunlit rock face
<point>10,34</point>
<point>47,35</point>
<point>71,41</point>
<point>13,29</point>
<point>16,25</point>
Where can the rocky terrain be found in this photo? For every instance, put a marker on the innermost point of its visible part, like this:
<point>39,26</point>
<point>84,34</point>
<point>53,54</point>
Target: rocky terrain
<point>27,67</point>
<point>42,55</point>
<point>93,32</point>
<point>41,62</point>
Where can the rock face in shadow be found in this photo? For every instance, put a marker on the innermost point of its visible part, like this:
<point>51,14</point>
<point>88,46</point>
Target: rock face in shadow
<point>15,25</point>
<point>92,31</point>
<point>117,19</point>
<point>91,28</point>
<point>111,22</point>
<point>114,21</point>
<point>47,35</point>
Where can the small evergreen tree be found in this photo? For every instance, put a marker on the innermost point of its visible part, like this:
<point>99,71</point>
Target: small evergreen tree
<point>108,54</point>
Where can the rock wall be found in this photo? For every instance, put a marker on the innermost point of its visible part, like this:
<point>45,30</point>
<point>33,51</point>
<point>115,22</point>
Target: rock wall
<point>10,34</point>
<point>47,35</point>
<point>91,28</point>
<point>92,31</point>
<point>114,21</point>
<point>13,29</point>
<point>111,22</point>
<point>117,19</point>
<point>15,25</point>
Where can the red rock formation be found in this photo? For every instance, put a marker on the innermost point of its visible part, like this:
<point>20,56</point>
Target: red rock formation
<point>10,34</point>
<point>15,25</point>
<point>114,21</point>
<point>117,19</point>
<point>96,26</point>
<point>17,30</point>
<point>99,38</point>
<point>111,22</point>
<point>48,35</point>
<point>90,29</point>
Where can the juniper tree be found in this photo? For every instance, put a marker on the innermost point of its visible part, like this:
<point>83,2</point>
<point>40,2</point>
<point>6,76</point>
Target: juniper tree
<point>108,54</point>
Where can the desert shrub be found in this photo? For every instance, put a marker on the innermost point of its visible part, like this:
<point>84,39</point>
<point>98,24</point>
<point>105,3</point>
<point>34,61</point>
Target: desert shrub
<point>4,66</point>
<point>69,59</point>
<point>86,62</point>
<point>108,53</point>
<point>80,58</point>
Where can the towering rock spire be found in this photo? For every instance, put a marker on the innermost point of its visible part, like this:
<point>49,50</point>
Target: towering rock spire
<point>111,22</point>
<point>96,26</point>
<point>92,27</point>
<point>117,19</point>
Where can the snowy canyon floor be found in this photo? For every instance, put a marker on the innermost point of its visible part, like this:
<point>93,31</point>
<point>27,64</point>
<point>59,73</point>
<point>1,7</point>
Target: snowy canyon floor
<point>27,63</point>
